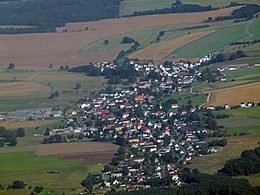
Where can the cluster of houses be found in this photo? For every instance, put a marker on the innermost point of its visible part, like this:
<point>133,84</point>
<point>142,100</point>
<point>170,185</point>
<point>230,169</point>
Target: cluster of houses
<point>158,140</point>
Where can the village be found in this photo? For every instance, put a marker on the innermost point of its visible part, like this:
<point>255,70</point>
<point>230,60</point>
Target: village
<point>156,135</point>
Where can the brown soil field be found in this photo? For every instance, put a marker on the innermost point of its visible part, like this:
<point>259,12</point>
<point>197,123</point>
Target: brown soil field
<point>40,49</point>
<point>91,157</point>
<point>87,152</point>
<point>158,51</point>
<point>235,95</point>
<point>26,124</point>
<point>23,89</point>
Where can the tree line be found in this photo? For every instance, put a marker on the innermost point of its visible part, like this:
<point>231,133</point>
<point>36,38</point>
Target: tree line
<point>47,14</point>
<point>8,137</point>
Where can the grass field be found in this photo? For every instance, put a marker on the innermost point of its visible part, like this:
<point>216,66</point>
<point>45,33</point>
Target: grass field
<point>130,6</point>
<point>33,170</point>
<point>236,144</point>
<point>208,44</point>
<point>253,112</point>
<point>158,51</point>
<point>32,88</point>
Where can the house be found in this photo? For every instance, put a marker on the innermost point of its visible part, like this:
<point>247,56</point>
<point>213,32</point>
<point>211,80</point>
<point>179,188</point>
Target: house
<point>140,98</point>
<point>174,106</point>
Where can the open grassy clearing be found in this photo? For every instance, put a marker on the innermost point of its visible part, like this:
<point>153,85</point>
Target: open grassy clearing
<point>235,95</point>
<point>254,29</point>
<point>208,44</point>
<point>236,144</point>
<point>34,171</point>
<point>253,179</point>
<point>130,6</point>
<point>160,50</point>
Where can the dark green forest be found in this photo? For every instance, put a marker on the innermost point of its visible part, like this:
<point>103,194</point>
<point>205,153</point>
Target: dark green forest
<point>54,13</point>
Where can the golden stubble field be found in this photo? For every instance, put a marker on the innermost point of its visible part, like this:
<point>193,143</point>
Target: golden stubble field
<point>235,95</point>
<point>41,49</point>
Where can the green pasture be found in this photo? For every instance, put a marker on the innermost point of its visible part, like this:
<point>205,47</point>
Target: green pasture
<point>144,36</point>
<point>253,112</point>
<point>212,42</point>
<point>236,125</point>
<point>33,170</point>
<point>130,6</point>
<point>254,29</point>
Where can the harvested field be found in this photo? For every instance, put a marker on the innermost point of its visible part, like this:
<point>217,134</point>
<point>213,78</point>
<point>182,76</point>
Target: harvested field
<point>39,50</point>
<point>235,95</point>
<point>158,51</point>
<point>25,89</point>
<point>211,163</point>
<point>26,124</point>
<point>90,157</point>
<point>87,152</point>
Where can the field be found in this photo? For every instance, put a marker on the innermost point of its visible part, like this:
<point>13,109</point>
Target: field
<point>236,144</point>
<point>23,89</point>
<point>130,6</point>
<point>158,51</point>
<point>242,120</point>
<point>57,167</point>
<point>63,48</point>
<point>32,88</point>
<point>235,95</point>
<point>54,175</point>
<point>208,44</point>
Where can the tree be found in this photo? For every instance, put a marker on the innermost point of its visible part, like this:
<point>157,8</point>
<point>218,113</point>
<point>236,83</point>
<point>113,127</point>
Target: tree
<point>106,42</point>
<point>125,171</point>
<point>78,85</point>
<point>2,143</point>
<point>50,66</point>
<point>20,132</point>
<point>107,168</point>
<point>38,189</point>
<point>18,184</point>
<point>12,141</point>
<point>10,66</point>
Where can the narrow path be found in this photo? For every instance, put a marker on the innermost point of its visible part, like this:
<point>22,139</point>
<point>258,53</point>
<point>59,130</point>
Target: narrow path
<point>208,98</point>
<point>31,77</point>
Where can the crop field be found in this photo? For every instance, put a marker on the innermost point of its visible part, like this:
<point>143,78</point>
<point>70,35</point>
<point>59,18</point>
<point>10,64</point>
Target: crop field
<point>32,88</point>
<point>208,44</point>
<point>253,112</point>
<point>235,95</point>
<point>64,148</point>
<point>236,144</point>
<point>158,51</point>
<point>63,48</point>
<point>237,125</point>
<point>130,6</point>
<point>56,176</point>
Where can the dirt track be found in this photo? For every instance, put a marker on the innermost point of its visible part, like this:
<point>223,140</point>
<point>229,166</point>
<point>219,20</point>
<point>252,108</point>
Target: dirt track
<point>39,50</point>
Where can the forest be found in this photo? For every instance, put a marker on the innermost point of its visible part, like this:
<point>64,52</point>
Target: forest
<point>54,13</point>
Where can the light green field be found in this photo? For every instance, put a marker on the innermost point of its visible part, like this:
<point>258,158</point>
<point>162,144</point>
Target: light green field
<point>236,125</point>
<point>212,42</point>
<point>253,179</point>
<point>253,112</point>
<point>130,6</point>
<point>62,81</point>
<point>33,170</point>
<point>254,29</point>
<point>236,144</point>
<point>143,36</point>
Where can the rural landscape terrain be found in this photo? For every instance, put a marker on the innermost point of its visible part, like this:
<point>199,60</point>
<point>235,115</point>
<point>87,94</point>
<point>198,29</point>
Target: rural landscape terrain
<point>129,97</point>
